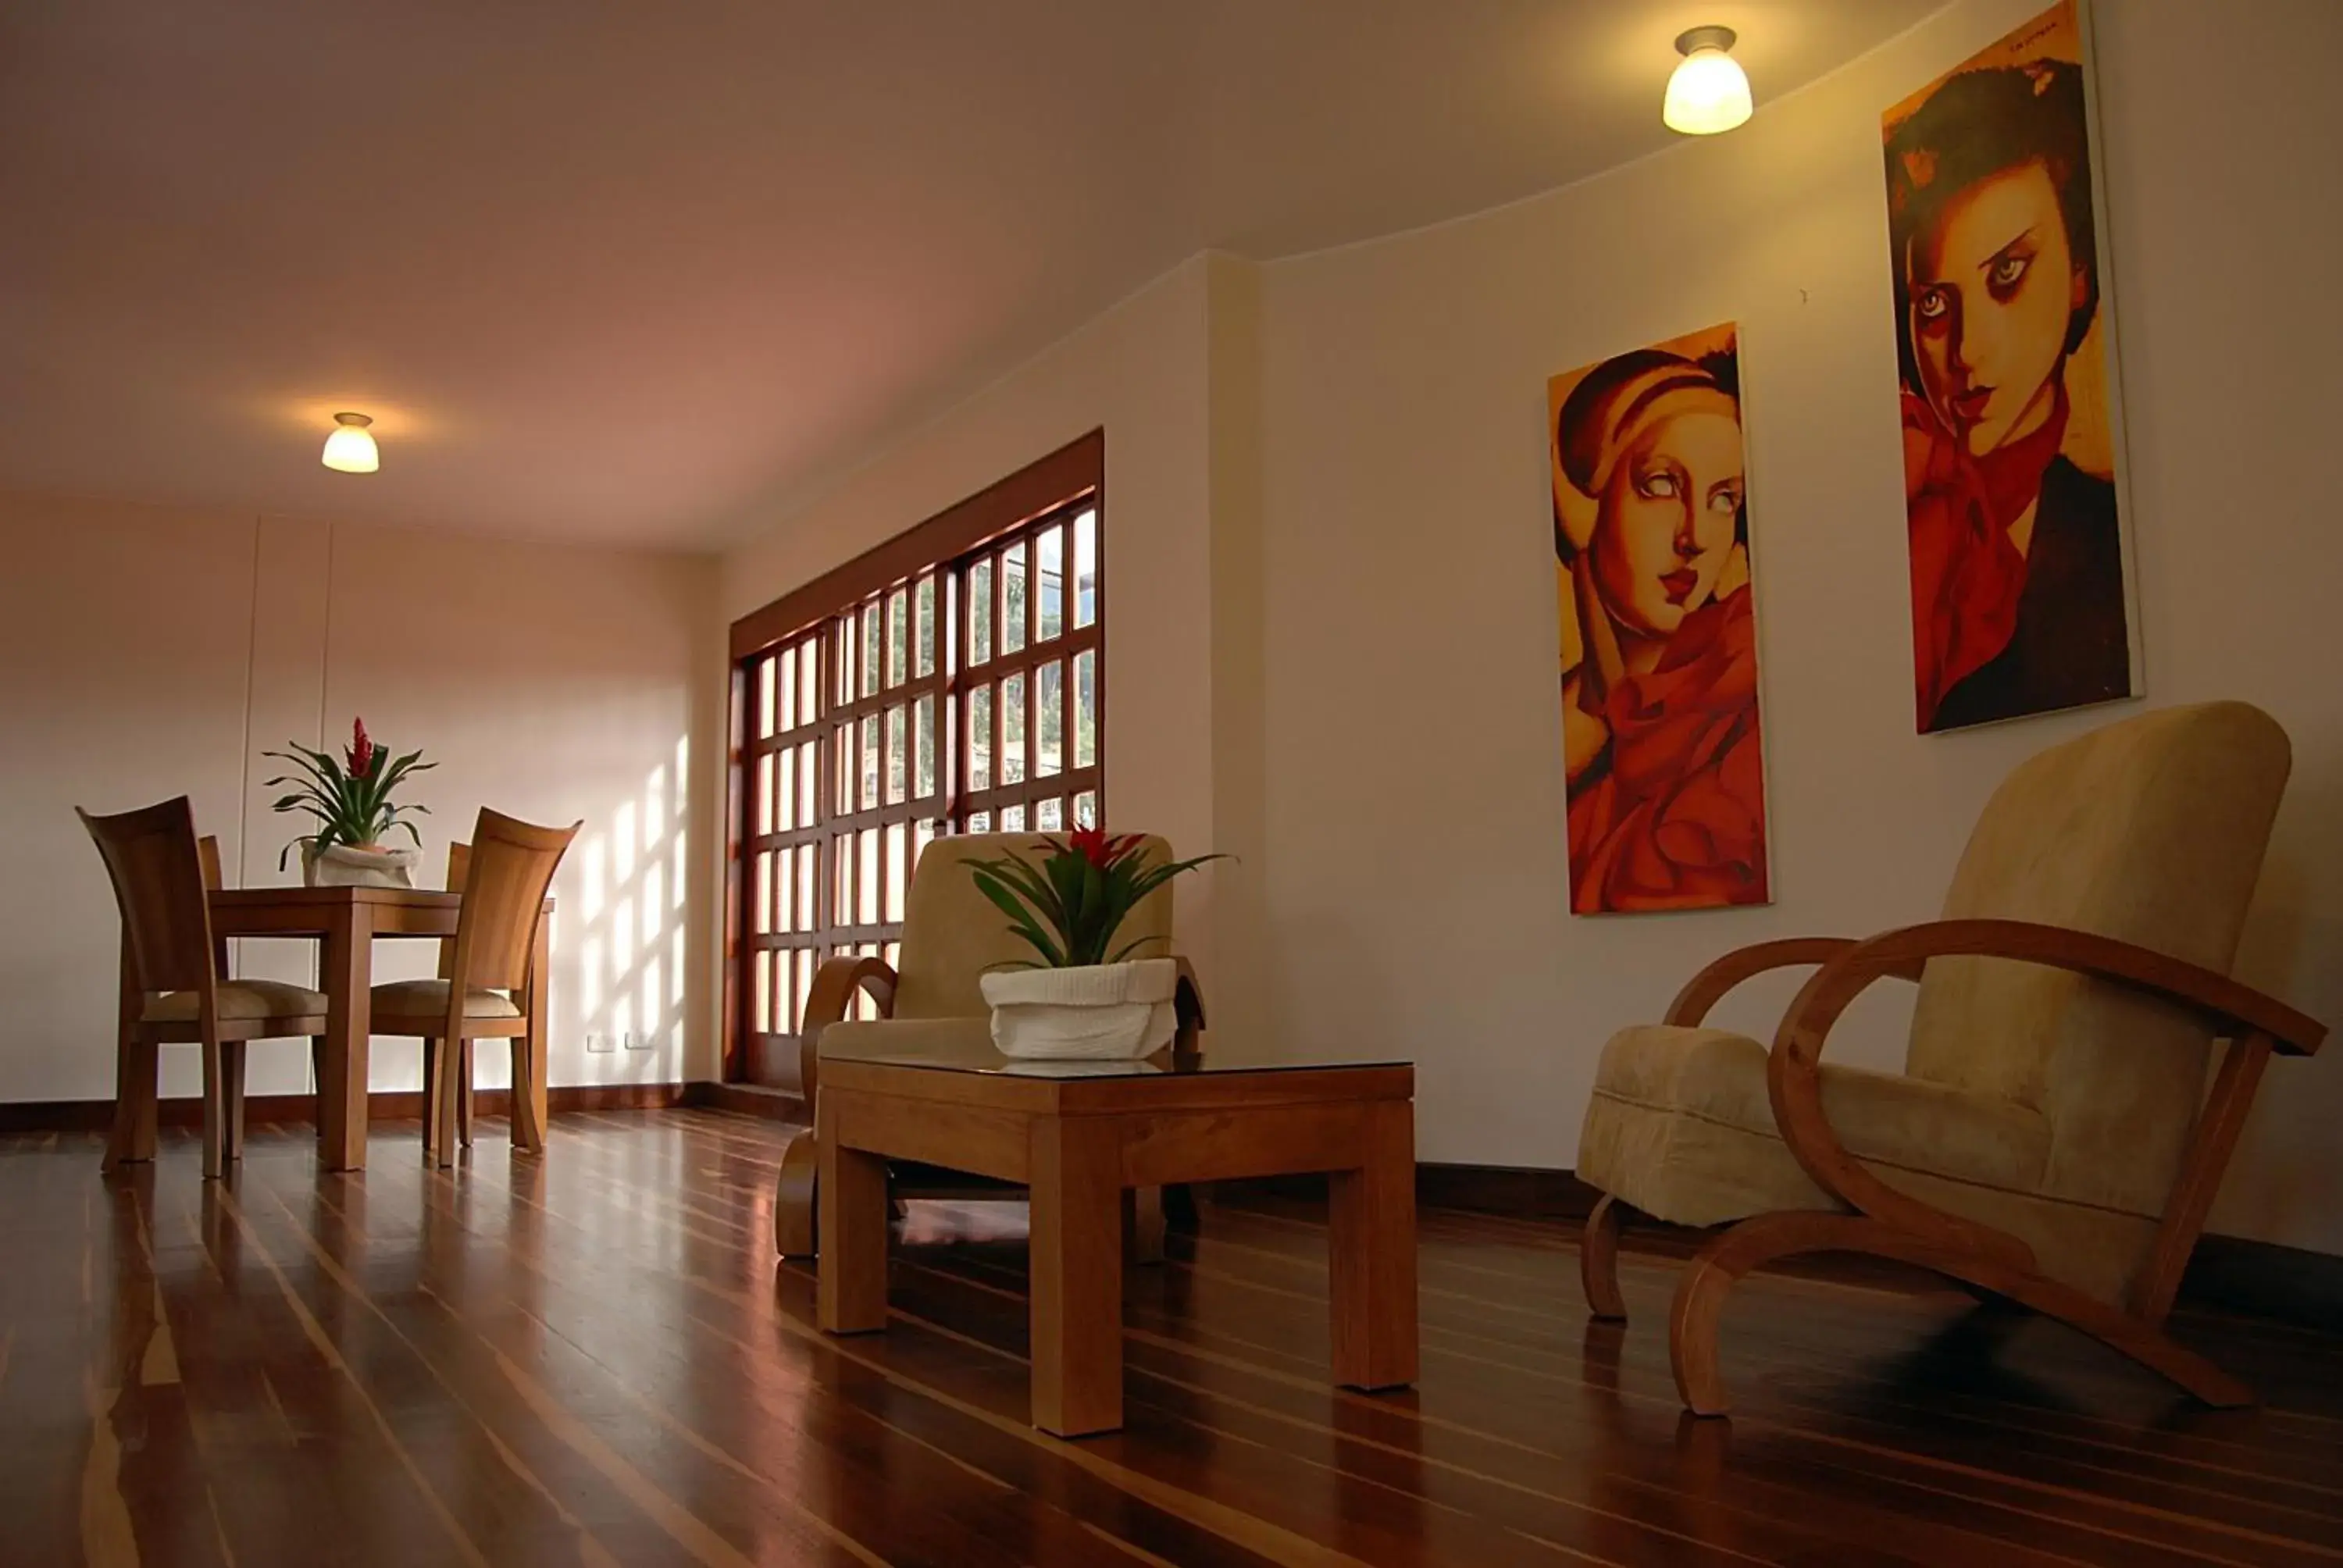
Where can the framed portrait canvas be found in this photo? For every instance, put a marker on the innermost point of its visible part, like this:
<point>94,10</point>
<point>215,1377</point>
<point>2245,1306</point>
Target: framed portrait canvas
<point>2015,503</point>
<point>1661,741</point>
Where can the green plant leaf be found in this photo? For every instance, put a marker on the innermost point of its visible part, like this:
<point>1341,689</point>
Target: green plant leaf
<point>1013,871</point>
<point>1021,924</point>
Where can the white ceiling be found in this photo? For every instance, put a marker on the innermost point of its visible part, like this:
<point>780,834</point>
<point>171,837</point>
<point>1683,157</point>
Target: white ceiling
<point>610,269</point>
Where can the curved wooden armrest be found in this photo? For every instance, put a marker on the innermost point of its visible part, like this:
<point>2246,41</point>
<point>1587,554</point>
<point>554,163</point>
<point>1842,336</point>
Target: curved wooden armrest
<point>1188,1005</point>
<point>1708,988</point>
<point>832,993</point>
<point>2233,1010</point>
<point>1792,1071</point>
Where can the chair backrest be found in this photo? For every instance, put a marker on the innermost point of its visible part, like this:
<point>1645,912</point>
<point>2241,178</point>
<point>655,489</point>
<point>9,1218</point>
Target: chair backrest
<point>511,865</point>
<point>157,872</point>
<point>459,871</point>
<point>2151,831</point>
<point>207,856</point>
<point>953,933</point>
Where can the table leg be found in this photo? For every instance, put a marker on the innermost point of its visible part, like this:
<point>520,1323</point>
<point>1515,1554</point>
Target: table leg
<point>134,1087</point>
<point>528,1107</point>
<point>318,1073</point>
<point>1077,1247</point>
<point>348,972</point>
<point>232,1056</point>
<point>851,1265</point>
<point>1143,1224</point>
<point>1373,1242</point>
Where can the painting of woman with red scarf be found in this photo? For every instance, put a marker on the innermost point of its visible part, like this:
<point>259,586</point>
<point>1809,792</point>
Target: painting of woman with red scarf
<point>1659,651</point>
<point>2019,596</point>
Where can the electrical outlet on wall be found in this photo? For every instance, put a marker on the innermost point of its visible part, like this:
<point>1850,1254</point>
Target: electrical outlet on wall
<point>598,1042</point>
<point>634,1039</point>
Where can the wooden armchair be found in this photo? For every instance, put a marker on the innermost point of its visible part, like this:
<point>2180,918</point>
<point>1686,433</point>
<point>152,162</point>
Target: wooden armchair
<point>2050,1140</point>
<point>952,935</point>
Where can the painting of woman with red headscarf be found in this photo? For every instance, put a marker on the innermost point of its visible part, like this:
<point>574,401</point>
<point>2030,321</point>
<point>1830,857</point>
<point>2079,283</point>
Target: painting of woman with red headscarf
<point>2019,596</point>
<point>1659,648</point>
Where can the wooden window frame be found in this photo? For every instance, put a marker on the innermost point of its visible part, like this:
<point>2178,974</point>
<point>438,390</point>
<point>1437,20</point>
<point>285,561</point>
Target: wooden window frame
<point>1063,651</point>
<point>1017,509</point>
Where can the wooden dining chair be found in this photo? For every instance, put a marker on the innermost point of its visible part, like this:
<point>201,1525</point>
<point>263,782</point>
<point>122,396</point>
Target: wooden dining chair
<point>178,969</point>
<point>483,994</point>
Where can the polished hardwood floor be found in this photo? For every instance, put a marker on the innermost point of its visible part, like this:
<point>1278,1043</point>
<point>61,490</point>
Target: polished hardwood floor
<point>591,1358</point>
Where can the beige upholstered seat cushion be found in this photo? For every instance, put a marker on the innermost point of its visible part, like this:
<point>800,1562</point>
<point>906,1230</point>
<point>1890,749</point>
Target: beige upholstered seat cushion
<point>909,1037</point>
<point>428,999</point>
<point>239,1000</point>
<point>1680,1126</point>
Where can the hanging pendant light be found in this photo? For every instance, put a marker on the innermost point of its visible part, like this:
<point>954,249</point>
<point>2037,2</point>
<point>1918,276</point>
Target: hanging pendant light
<point>1709,91</point>
<point>351,448</point>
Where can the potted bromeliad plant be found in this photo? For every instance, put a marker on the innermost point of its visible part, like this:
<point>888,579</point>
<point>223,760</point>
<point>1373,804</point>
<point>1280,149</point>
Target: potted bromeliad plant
<point>1084,994</point>
<point>349,796</point>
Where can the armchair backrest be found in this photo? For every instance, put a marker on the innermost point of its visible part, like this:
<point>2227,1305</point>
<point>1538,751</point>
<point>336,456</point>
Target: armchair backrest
<point>2150,831</point>
<point>953,933</point>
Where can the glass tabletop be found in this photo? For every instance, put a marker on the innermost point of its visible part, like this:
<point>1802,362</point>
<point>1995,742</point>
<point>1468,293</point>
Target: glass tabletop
<point>972,1058</point>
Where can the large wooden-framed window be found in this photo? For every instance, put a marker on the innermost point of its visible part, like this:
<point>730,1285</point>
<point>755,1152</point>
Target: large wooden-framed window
<point>1027,691</point>
<point>948,680</point>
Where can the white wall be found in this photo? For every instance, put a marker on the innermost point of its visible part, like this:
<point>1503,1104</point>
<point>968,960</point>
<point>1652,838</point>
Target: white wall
<point>151,652</point>
<point>1414,800</point>
<point>1141,372</point>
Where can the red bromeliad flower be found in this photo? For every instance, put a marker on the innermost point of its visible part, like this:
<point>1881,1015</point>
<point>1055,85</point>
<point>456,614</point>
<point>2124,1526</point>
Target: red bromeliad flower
<point>1091,843</point>
<point>1099,848</point>
<point>361,752</point>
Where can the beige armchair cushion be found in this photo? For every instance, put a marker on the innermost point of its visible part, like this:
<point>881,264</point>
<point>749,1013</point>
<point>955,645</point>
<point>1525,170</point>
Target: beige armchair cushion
<point>427,999</point>
<point>2150,831</point>
<point>1680,1127</point>
<point>242,1000</point>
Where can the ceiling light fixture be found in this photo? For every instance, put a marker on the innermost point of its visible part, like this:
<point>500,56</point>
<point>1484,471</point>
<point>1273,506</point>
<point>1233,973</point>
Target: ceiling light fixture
<point>350,450</point>
<point>1709,91</point>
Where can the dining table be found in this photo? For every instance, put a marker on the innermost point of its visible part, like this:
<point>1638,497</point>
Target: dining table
<point>345,921</point>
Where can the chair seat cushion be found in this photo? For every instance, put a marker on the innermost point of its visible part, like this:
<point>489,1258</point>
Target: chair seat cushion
<point>428,999</point>
<point>909,1037</point>
<point>1681,1127</point>
<point>239,1000</point>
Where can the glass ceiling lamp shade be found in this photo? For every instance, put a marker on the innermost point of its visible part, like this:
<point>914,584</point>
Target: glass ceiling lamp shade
<point>1709,91</point>
<point>350,449</point>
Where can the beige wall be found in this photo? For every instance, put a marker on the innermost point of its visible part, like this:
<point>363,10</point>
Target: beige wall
<point>1141,372</point>
<point>1414,790</point>
<point>150,652</point>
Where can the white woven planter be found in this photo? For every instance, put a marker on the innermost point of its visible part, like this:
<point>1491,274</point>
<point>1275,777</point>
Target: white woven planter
<point>1095,1012</point>
<point>340,866</point>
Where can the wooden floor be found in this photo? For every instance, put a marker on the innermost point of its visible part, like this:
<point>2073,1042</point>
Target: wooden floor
<point>589,1358</point>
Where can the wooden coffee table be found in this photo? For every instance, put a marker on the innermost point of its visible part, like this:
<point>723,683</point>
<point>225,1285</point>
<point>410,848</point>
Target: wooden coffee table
<point>1079,1136</point>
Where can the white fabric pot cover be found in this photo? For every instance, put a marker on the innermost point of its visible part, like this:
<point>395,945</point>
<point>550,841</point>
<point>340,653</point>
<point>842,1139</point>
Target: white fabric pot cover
<point>339,866</point>
<point>1091,1012</point>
